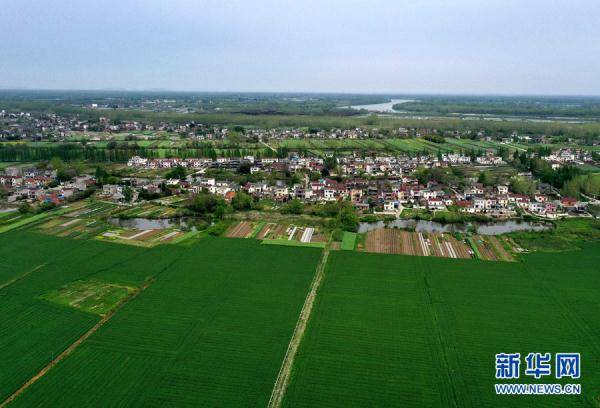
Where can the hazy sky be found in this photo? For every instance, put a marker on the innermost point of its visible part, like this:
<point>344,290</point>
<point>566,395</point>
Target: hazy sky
<point>387,46</point>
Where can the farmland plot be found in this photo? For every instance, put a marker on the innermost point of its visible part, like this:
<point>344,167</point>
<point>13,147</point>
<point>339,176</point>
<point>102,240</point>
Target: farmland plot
<point>240,230</point>
<point>368,327</point>
<point>37,265</point>
<point>212,330</point>
<point>392,241</point>
<point>418,332</point>
<point>274,233</point>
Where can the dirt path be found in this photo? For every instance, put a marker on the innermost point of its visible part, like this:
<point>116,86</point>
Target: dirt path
<point>18,278</point>
<point>283,378</point>
<point>73,346</point>
<point>269,146</point>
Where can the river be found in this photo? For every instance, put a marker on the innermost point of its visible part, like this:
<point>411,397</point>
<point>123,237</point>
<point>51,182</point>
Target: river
<point>385,107</point>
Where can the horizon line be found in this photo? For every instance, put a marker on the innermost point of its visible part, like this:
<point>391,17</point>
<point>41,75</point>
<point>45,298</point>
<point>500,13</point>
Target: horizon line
<point>378,93</point>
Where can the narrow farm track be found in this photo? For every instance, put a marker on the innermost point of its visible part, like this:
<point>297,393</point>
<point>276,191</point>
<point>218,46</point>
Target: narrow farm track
<point>283,378</point>
<point>69,350</point>
<point>18,278</point>
<point>443,351</point>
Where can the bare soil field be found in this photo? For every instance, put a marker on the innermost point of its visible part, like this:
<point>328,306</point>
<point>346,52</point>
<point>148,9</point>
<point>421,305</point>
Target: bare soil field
<point>241,230</point>
<point>129,233</point>
<point>264,232</point>
<point>384,241</point>
<point>171,236</point>
<point>437,249</point>
<point>277,232</point>
<point>318,237</point>
<point>149,235</point>
<point>68,231</point>
<point>484,249</point>
<point>500,250</point>
<point>459,248</point>
<point>390,241</point>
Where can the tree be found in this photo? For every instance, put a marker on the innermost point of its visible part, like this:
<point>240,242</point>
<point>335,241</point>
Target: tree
<point>348,219</point>
<point>100,174</point>
<point>591,186</point>
<point>521,185</point>
<point>244,168</point>
<point>241,201</point>
<point>65,174</point>
<point>25,208</point>
<point>571,188</point>
<point>485,178</point>
<point>127,194</point>
<point>294,206</point>
<point>205,203</point>
<point>56,163</point>
<point>177,172</point>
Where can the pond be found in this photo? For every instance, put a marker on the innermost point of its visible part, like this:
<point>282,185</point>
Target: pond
<point>493,228</point>
<point>148,224</point>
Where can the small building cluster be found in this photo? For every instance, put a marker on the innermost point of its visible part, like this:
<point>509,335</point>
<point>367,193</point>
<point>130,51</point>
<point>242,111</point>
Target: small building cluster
<point>39,186</point>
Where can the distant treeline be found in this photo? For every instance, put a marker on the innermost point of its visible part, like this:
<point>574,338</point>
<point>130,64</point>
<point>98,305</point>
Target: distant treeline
<point>325,122</point>
<point>72,152</point>
<point>540,107</point>
<point>245,103</point>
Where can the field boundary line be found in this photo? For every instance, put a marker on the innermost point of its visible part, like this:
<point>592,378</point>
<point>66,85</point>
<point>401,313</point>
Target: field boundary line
<point>26,222</point>
<point>442,346</point>
<point>74,345</point>
<point>18,278</point>
<point>283,377</point>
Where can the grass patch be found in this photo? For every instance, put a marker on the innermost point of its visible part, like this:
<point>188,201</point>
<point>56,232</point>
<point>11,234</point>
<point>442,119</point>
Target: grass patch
<point>348,241</point>
<point>414,213</point>
<point>474,248</point>
<point>257,229</point>
<point>569,234</point>
<point>22,221</point>
<point>286,242</point>
<point>90,295</point>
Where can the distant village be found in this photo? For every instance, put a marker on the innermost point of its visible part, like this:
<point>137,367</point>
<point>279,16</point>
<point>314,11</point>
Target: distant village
<point>382,184</point>
<point>53,127</point>
<point>373,182</point>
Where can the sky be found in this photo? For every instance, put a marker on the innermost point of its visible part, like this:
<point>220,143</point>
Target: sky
<point>354,46</point>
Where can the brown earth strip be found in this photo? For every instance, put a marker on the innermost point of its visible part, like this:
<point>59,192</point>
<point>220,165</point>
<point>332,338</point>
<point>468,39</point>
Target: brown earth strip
<point>241,230</point>
<point>148,236</point>
<point>436,245</point>
<point>318,237</point>
<point>460,248</point>
<point>500,250</point>
<point>129,233</point>
<point>484,249</point>
<point>278,232</point>
<point>232,230</point>
<point>264,231</point>
<point>172,237</point>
